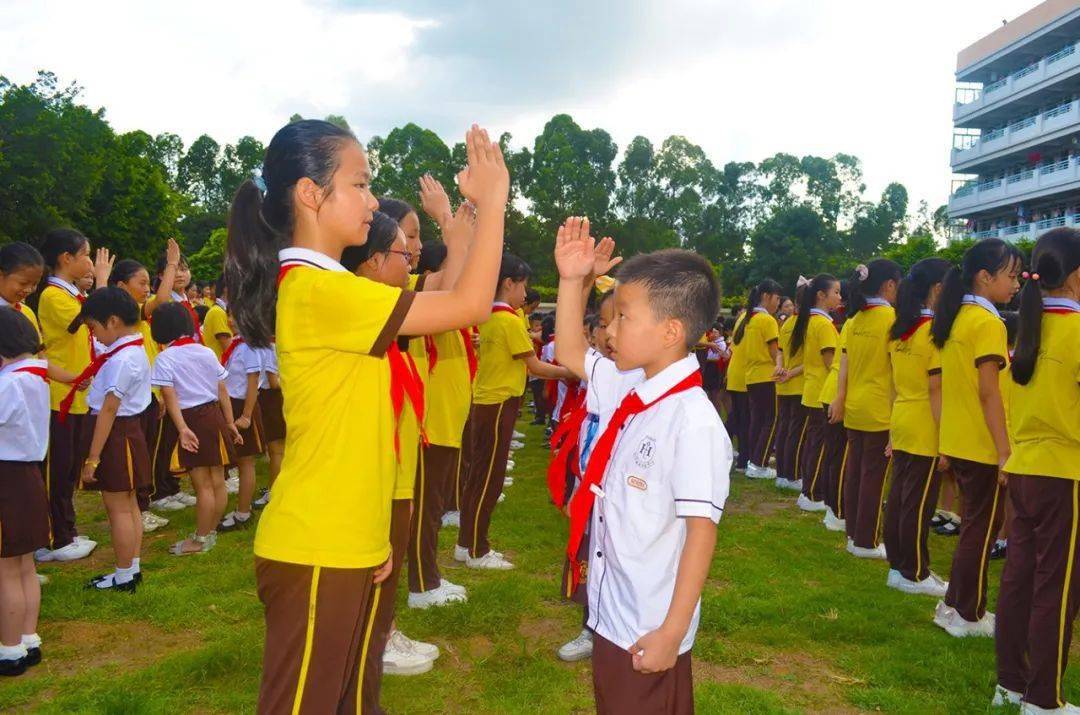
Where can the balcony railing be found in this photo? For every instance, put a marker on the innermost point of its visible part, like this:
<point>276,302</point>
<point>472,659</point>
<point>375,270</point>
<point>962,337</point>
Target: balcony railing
<point>1022,130</point>
<point>1059,55</point>
<point>1028,231</point>
<point>1018,186</point>
<point>1061,61</point>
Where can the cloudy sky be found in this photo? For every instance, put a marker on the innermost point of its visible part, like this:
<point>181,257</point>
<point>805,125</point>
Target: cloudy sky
<point>743,78</point>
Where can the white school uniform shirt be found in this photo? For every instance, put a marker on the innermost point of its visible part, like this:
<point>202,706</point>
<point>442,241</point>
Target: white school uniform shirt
<point>598,413</point>
<point>125,374</point>
<point>24,413</point>
<point>547,354</point>
<point>268,358</point>
<point>671,461</point>
<point>192,370</point>
<point>243,361</point>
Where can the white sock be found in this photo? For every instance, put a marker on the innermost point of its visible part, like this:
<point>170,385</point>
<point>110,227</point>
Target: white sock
<point>1001,542</point>
<point>241,515</point>
<point>135,564</point>
<point>31,640</point>
<point>121,576</point>
<point>12,652</point>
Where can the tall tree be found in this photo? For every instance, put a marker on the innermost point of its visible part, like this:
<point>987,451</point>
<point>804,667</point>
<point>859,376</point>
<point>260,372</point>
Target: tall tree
<point>571,172</point>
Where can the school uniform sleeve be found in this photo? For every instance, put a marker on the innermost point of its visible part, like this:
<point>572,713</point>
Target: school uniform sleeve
<point>162,373</point>
<point>356,314</point>
<point>124,380</point>
<point>252,361</point>
<point>770,330</point>
<point>517,339</point>
<point>9,398</point>
<point>217,323</point>
<point>827,338</point>
<point>933,365</point>
<point>991,343</point>
<point>56,312</point>
<point>701,473</point>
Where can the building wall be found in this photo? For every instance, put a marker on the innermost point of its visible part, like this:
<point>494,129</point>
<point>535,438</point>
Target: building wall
<point>1017,29</point>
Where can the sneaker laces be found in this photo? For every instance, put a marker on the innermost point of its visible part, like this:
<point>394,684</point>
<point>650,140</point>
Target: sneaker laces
<point>402,643</point>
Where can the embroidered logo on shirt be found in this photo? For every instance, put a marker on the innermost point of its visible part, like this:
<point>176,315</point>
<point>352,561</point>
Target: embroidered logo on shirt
<point>637,483</point>
<point>644,457</point>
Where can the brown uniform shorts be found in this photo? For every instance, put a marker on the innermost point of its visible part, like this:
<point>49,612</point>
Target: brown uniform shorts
<point>24,509</point>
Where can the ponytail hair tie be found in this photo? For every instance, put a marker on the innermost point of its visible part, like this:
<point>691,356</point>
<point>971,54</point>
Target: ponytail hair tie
<point>803,281</point>
<point>260,184</point>
<point>604,284</point>
<point>862,272</point>
<point>1030,276</point>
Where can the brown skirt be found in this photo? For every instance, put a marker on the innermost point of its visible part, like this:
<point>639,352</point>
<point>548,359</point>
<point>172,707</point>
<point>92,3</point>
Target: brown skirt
<point>254,441</point>
<point>125,458</point>
<point>24,509</point>
<point>215,443</point>
<point>273,415</point>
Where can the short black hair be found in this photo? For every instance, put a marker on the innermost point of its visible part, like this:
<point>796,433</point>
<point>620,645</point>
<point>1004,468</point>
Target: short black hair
<point>432,256</point>
<point>124,270</point>
<point>169,322</point>
<point>110,301</point>
<point>680,285</point>
<point>532,296</point>
<point>513,268</point>
<point>17,334</point>
<point>18,255</point>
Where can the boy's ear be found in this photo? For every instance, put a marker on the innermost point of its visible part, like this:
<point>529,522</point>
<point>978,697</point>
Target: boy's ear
<point>674,332</point>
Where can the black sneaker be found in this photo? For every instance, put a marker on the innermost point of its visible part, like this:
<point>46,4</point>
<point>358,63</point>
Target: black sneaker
<point>13,667</point>
<point>262,500</point>
<point>33,657</point>
<point>129,587</point>
<point>949,528</point>
<point>937,520</point>
<point>998,550</point>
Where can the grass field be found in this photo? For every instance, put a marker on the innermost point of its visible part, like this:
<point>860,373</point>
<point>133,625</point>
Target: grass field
<point>790,623</point>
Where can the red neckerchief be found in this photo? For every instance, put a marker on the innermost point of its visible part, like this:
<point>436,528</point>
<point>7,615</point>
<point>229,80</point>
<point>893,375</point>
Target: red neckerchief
<point>1059,310</point>
<point>470,352</point>
<point>237,340</point>
<point>183,340</point>
<point>91,370</point>
<point>564,447</point>
<point>194,318</point>
<point>503,309</point>
<point>41,372</point>
<point>404,383</point>
<point>432,353</point>
<point>284,270</point>
<point>923,320</point>
<point>582,503</point>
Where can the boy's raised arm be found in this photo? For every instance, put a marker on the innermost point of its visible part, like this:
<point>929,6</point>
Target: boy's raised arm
<point>574,257</point>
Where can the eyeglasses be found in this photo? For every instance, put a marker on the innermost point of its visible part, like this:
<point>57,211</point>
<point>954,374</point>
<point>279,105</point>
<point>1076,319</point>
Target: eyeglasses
<point>407,255</point>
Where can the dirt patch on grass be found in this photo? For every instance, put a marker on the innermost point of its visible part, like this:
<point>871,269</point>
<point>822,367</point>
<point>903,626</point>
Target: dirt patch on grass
<point>75,646</point>
<point>799,678</point>
<point>759,503</point>
<point>542,629</point>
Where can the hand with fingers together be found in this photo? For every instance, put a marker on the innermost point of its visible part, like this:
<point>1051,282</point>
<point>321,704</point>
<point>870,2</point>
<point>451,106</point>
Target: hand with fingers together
<point>604,262</point>
<point>484,181</point>
<point>434,201</point>
<point>575,249</point>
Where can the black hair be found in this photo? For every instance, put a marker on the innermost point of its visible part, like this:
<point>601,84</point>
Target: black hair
<point>381,236</point>
<point>18,255</point>
<point>821,283</point>
<point>592,322</point>
<point>513,268</point>
<point>532,296</point>
<point>1011,318</point>
<point>59,241</point>
<point>432,257</point>
<point>201,310</point>
<point>163,262</point>
<point>219,286</point>
<point>913,291</point>
<point>110,301</point>
<point>547,328</point>
<point>124,270</point>
<point>681,285</point>
<point>395,208</point>
<point>878,272</point>
<point>171,321</point>
<point>990,255</point>
<point>765,287</point>
<point>17,334</point>
<point>1055,257</point>
<point>259,225</point>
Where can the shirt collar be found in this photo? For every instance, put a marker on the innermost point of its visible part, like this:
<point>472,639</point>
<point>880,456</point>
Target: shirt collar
<point>177,298</point>
<point>4,302</point>
<point>222,304</point>
<point>759,309</point>
<point>926,313</point>
<point>876,300</point>
<point>500,304</point>
<point>822,313</point>
<point>61,283</point>
<point>972,299</point>
<point>121,342</point>
<point>1061,303</point>
<point>27,362</point>
<point>666,379</point>
<point>306,256</point>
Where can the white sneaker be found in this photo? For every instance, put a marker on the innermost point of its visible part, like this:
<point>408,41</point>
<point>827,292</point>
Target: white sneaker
<point>957,626</point>
<point>510,465</point>
<point>185,498</point>
<point>893,578</point>
<point>74,551</point>
<point>43,554</point>
<point>501,499</point>
<point>792,484</point>
<point>152,522</point>
<point>427,650</point>
<point>262,500</point>
<point>516,444</point>
<point>519,435</point>
<point>461,553</point>
<point>878,552</point>
<point>492,560</point>
<point>932,585</point>
<point>451,518</point>
<point>42,579</point>
<point>1003,696</point>
<point>753,471</point>
<point>831,522</point>
<point>806,504</point>
<point>452,587</point>
<point>508,481</point>
<point>232,485</point>
<point>1026,708</point>
<point>578,649</point>
<point>401,660</point>
<point>440,596</point>
<point>170,503</point>
<point>234,473</point>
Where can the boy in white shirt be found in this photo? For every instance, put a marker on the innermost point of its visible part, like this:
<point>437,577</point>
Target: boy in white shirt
<point>117,461</point>
<point>657,477</point>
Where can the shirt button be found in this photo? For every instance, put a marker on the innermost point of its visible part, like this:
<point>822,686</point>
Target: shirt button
<point>601,519</point>
<point>598,554</point>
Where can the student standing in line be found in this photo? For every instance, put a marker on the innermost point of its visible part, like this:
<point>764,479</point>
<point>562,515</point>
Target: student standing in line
<point>758,336</point>
<point>791,417</point>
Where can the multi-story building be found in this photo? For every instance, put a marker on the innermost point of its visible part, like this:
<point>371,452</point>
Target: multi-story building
<point>1016,141</point>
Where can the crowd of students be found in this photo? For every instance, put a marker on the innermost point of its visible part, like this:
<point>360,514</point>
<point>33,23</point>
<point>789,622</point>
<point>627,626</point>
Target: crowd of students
<point>381,377</point>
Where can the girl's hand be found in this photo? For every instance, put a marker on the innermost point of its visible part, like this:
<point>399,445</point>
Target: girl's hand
<point>655,651</point>
<point>603,261</point>
<point>575,250</point>
<point>459,228</point>
<point>87,474</point>
<point>243,422</point>
<point>103,263</point>
<point>433,199</point>
<point>943,463</point>
<point>888,449</point>
<point>188,440</point>
<point>172,253</point>
<point>236,438</point>
<point>383,572</point>
<point>836,412</point>
<point>485,181</point>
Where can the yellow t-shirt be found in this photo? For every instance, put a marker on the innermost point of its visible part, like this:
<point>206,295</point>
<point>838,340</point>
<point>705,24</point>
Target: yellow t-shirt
<point>449,391</point>
<point>830,386</point>
<point>409,441</point>
<point>501,374</point>
<point>736,371</point>
<point>868,404</point>
<point>417,346</point>
<point>331,504</point>
<point>1045,413</point>
<point>794,386</point>
<point>760,332</point>
<point>820,337</point>
<point>977,335</point>
<point>912,428</point>
<point>57,310</point>
<point>216,323</point>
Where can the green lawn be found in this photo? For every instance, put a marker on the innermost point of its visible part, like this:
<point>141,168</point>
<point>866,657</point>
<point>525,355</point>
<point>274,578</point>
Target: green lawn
<point>790,623</point>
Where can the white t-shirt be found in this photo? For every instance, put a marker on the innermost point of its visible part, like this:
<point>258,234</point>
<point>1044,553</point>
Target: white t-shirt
<point>669,462</point>
<point>126,374</point>
<point>242,362</point>
<point>268,358</point>
<point>24,412</point>
<point>192,370</point>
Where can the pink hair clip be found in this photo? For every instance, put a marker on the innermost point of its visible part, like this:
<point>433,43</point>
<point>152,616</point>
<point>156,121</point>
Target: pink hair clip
<point>1029,276</point>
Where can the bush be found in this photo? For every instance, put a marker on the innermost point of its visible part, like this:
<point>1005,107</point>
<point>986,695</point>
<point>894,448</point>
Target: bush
<point>547,293</point>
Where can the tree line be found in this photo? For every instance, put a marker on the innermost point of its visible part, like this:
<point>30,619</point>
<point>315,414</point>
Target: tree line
<point>61,163</point>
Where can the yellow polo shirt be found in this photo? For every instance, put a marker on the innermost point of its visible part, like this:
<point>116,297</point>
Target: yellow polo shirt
<point>912,428</point>
<point>820,337</point>
<point>216,323</point>
<point>450,392</point>
<point>794,386</point>
<point>57,310</point>
<point>331,504</point>
<point>736,371</point>
<point>501,375</point>
<point>830,386</point>
<point>761,331</point>
<point>868,405</point>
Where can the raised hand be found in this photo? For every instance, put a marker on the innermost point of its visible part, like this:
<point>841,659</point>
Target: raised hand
<point>172,253</point>
<point>103,263</point>
<point>460,227</point>
<point>485,181</point>
<point>433,199</point>
<point>603,261</point>
<point>575,250</point>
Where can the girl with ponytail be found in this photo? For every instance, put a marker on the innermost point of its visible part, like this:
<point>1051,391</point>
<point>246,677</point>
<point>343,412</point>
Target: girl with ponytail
<point>913,431</point>
<point>814,337</point>
<point>864,403</point>
<point>1037,602</point>
<point>757,336</point>
<point>970,334</point>
<point>322,547</point>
